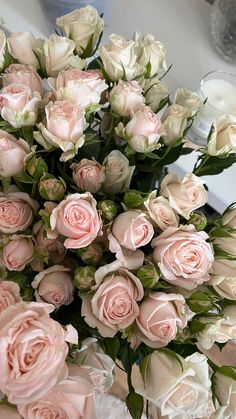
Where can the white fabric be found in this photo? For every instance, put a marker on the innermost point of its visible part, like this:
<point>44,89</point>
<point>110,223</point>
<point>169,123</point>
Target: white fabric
<point>110,407</point>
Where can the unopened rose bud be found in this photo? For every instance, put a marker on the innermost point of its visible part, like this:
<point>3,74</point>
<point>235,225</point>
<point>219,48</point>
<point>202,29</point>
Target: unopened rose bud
<point>84,277</point>
<point>92,254</point>
<point>52,188</point>
<point>36,167</point>
<point>148,275</point>
<point>199,220</point>
<point>107,210</point>
<point>134,199</point>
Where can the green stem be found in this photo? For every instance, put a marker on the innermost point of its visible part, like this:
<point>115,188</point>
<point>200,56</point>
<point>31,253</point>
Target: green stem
<point>34,190</point>
<point>197,168</point>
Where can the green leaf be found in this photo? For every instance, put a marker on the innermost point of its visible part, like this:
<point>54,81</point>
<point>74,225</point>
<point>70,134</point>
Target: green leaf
<point>143,367</point>
<point>213,165</point>
<point>221,254</point>
<point>167,71</point>
<point>27,134</point>
<point>228,372</point>
<point>111,347</point>
<point>201,302</point>
<point>134,403</point>
<point>25,178</point>
<point>6,181</point>
<point>222,232</point>
<point>148,70</point>
<point>197,326</point>
<point>88,51</point>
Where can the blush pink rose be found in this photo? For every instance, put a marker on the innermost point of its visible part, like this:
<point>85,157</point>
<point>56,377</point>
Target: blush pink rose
<point>88,175</point>
<point>71,398</point>
<point>114,305</point>
<point>16,212</point>
<point>183,256</point>
<point>54,285</point>
<point>18,105</point>
<point>55,247</point>
<point>132,229</point>
<point>81,87</point>
<point>65,123</point>
<point>23,74</point>
<point>126,97</point>
<point>12,154</point>
<point>76,218</point>
<point>9,294</point>
<point>143,131</point>
<point>18,253</point>
<point>160,212</point>
<point>184,195</point>
<point>159,317</point>
<point>33,352</point>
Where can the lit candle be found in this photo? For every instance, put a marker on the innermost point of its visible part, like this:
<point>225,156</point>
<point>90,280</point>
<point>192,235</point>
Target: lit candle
<point>219,88</point>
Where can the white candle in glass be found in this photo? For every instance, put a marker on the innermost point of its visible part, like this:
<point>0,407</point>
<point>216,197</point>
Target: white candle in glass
<point>219,88</point>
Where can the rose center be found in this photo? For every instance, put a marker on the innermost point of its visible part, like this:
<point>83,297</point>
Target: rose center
<point>9,214</point>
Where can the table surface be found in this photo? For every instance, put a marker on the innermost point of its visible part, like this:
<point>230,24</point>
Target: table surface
<point>184,28</point>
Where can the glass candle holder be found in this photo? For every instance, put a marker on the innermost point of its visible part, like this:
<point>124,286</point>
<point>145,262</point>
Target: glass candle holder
<point>219,89</point>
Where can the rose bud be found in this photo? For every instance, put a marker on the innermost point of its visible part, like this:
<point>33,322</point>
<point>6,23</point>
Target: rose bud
<point>154,92</point>
<point>199,220</point>
<point>133,199</point>
<point>149,275</point>
<point>13,153</point>
<point>151,52</point>
<point>107,210</point>
<point>92,254</point>
<point>3,44</point>
<point>36,167</point>
<point>51,188</point>
<point>174,121</point>
<point>126,97</point>
<point>188,100</point>
<point>84,277</point>
<point>21,47</point>
<point>88,175</point>
<point>18,253</point>
<point>118,173</point>
<point>9,294</point>
<point>54,285</point>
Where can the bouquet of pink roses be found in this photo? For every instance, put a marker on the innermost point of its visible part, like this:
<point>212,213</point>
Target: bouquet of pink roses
<point>104,258</point>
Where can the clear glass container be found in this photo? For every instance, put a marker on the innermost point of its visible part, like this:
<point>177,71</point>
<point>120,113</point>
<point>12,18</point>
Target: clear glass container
<point>223,28</point>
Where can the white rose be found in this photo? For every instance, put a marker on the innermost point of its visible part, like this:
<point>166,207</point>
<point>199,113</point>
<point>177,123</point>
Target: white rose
<point>225,388</point>
<point>219,329</point>
<point>22,45</point>
<point>224,267</point>
<point>118,173</point>
<point>57,54</point>
<point>126,97</point>
<point>119,58</point>
<point>160,212</point>
<point>178,389</point>
<point>188,100</point>
<point>151,52</point>
<point>227,244</point>
<point>224,286</point>
<point>154,92</point>
<point>95,364</point>
<point>3,42</point>
<point>223,137</point>
<point>81,25</point>
<point>229,218</point>
<point>174,121</point>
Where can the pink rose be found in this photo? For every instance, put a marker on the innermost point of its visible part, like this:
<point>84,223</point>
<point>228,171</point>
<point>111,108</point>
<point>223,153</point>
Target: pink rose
<point>55,247</point>
<point>16,212</point>
<point>76,218</point>
<point>18,253</point>
<point>71,398</point>
<point>8,412</point>
<point>183,256</point>
<point>132,229</point>
<point>33,352</point>
<point>83,88</point>
<point>25,75</point>
<point>88,175</point>
<point>160,212</point>
<point>65,123</point>
<point>126,97</point>
<point>143,131</point>
<point>22,46</point>
<point>184,195</point>
<point>54,285</point>
<point>114,305</point>
<point>12,154</point>
<point>160,315</point>
<point>19,106</point>
<point>9,294</point>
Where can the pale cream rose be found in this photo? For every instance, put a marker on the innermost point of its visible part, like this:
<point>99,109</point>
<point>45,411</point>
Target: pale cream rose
<point>178,389</point>
<point>22,46</point>
<point>119,59</point>
<point>223,136</point>
<point>3,43</point>
<point>82,25</point>
<point>19,105</point>
<point>188,100</point>
<point>228,219</point>
<point>117,171</point>
<point>224,286</point>
<point>154,92</point>
<point>227,244</point>
<point>224,267</point>
<point>160,212</point>
<point>221,356</point>
<point>225,389</point>
<point>126,97</point>
<point>184,195</point>
<point>151,52</point>
<point>13,153</point>
<point>57,53</point>
<point>174,121</point>
<point>218,329</point>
